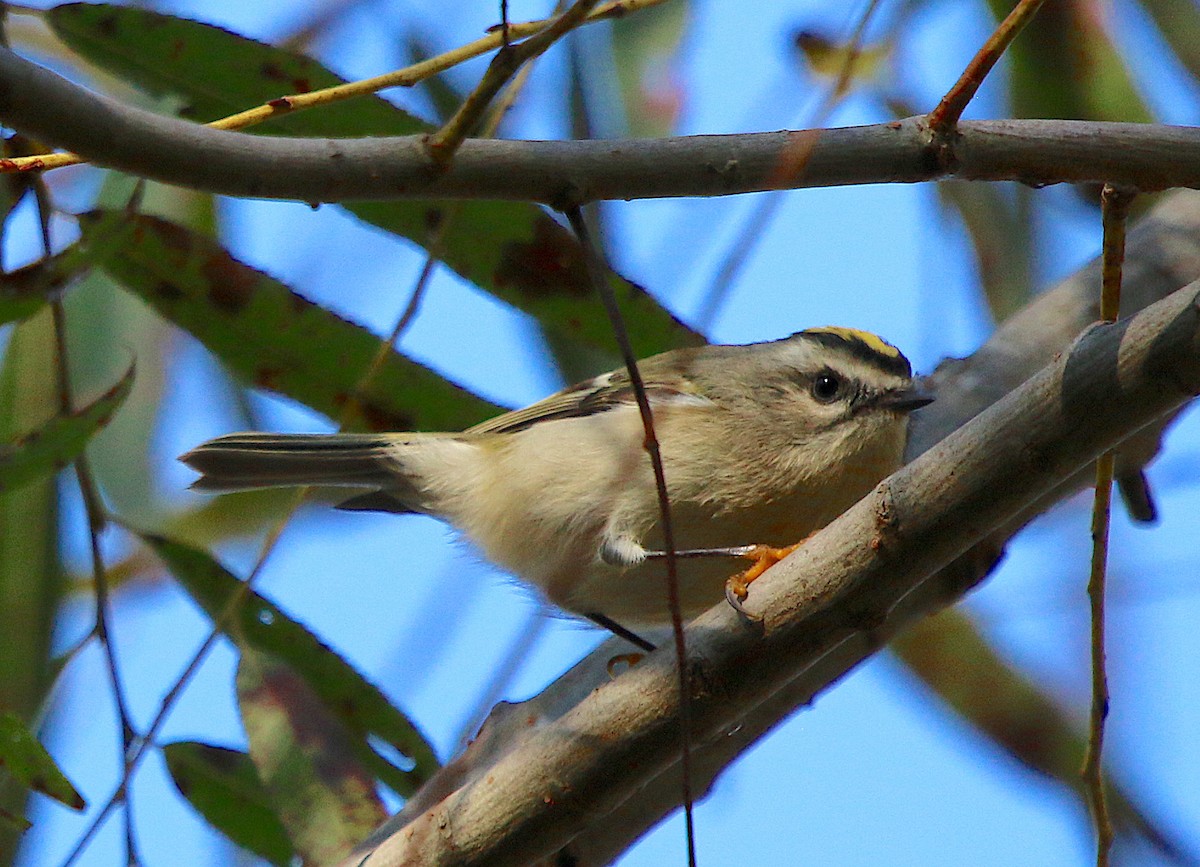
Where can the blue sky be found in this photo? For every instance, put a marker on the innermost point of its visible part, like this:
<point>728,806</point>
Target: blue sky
<point>876,771</point>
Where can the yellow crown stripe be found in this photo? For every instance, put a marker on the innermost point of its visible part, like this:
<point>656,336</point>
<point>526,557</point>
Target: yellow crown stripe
<point>852,335</point>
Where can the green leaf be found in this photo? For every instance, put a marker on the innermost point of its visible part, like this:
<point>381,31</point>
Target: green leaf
<point>1178,21</point>
<point>20,823</point>
<point>1064,65</point>
<point>999,231</point>
<point>217,73</point>
<point>224,786</point>
<point>30,765</point>
<point>31,572</point>
<point>950,656</point>
<point>356,702</point>
<point>267,333</point>
<point>24,291</point>
<point>644,49</point>
<point>323,797</point>
<point>526,259</point>
<point>48,449</point>
<point>513,250</point>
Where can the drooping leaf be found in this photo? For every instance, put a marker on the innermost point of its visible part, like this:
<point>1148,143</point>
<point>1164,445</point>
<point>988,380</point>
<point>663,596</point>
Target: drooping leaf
<point>999,233</point>
<point>1064,65</point>
<point>224,786</point>
<point>1178,21</point>
<point>513,250</point>
<point>48,449</point>
<point>269,334</point>
<point>358,704</point>
<point>215,72</point>
<point>644,51</point>
<point>950,656</point>
<point>30,765</point>
<point>31,572</point>
<point>322,795</point>
<point>24,291</point>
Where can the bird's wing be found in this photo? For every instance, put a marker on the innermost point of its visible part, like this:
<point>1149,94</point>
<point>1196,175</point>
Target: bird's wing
<point>594,396</point>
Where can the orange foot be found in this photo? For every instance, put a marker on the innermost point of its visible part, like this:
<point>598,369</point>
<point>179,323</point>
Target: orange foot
<point>737,588</point>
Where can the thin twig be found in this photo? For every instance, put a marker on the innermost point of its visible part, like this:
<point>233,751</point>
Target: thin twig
<point>597,271</point>
<point>443,144</point>
<point>406,77</point>
<point>96,522</point>
<point>754,228</point>
<point>138,751</point>
<point>945,116</point>
<point>1115,204</point>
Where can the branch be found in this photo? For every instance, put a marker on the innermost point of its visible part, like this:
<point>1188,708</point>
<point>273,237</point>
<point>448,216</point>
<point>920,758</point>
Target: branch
<point>840,597</point>
<point>41,104</point>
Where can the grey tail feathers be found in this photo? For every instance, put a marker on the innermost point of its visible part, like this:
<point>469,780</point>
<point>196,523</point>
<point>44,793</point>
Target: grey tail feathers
<point>239,462</point>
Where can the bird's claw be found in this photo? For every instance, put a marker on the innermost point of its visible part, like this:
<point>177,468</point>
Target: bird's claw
<point>737,588</point>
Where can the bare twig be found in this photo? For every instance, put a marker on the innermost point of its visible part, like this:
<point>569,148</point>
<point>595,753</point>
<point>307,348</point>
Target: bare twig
<point>1115,204</point>
<point>598,273</point>
<point>406,77</point>
<point>754,227</point>
<point>443,144</point>
<point>943,118</point>
<point>44,105</point>
<point>96,521</point>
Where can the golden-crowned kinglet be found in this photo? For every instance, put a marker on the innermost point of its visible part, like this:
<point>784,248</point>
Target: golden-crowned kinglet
<point>761,446</point>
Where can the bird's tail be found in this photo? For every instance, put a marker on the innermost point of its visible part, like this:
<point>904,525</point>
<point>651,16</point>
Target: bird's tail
<point>242,461</point>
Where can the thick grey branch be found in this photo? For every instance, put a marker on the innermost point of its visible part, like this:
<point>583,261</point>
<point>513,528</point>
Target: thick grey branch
<point>850,586</point>
<point>44,105</point>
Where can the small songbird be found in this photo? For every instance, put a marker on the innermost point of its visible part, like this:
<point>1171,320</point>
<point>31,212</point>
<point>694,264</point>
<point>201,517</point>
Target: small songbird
<point>761,446</point>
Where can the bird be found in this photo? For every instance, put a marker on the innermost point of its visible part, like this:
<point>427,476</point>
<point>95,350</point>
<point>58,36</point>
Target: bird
<point>761,445</point>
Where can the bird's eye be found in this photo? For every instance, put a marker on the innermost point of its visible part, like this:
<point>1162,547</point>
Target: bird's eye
<point>826,387</point>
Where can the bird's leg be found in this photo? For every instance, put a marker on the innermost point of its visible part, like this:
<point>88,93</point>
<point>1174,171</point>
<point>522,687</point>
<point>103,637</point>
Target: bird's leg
<point>737,588</point>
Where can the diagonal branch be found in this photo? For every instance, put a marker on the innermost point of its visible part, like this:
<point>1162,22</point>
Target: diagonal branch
<point>839,598</point>
<point>40,103</point>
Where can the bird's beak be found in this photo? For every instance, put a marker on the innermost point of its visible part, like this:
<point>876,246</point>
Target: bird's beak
<point>904,399</point>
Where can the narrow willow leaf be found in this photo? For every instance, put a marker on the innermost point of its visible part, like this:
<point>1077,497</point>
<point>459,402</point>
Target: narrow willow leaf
<point>267,333</point>
<point>215,72</point>
<point>999,235</point>
<point>323,796</point>
<point>51,447</point>
<point>950,656</point>
<point>644,50</point>
<point>31,766</point>
<point>31,572</point>
<point>513,250</point>
<point>355,701</point>
<point>24,291</point>
<point>224,787</point>
<point>1178,21</point>
<point>1065,65</point>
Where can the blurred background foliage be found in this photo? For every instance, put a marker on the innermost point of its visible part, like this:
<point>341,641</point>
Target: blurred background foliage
<point>185,317</point>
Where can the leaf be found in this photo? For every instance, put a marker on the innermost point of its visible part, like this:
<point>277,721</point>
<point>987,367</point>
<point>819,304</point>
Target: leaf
<point>644,51</point>
<point>24,291</point>
<point>323,797</point>
<point>511,249</point>
<point>216,72</point>
<point>999,234</point>
<point>48,449</point>
<point>950,656</point>
<point>1178,21</point>
<point>224,787</point>
<point>1065,65</point>
<point>356,702</point>
<point>31,572</point>
<point>269,334</point>
<point>31,766</point>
